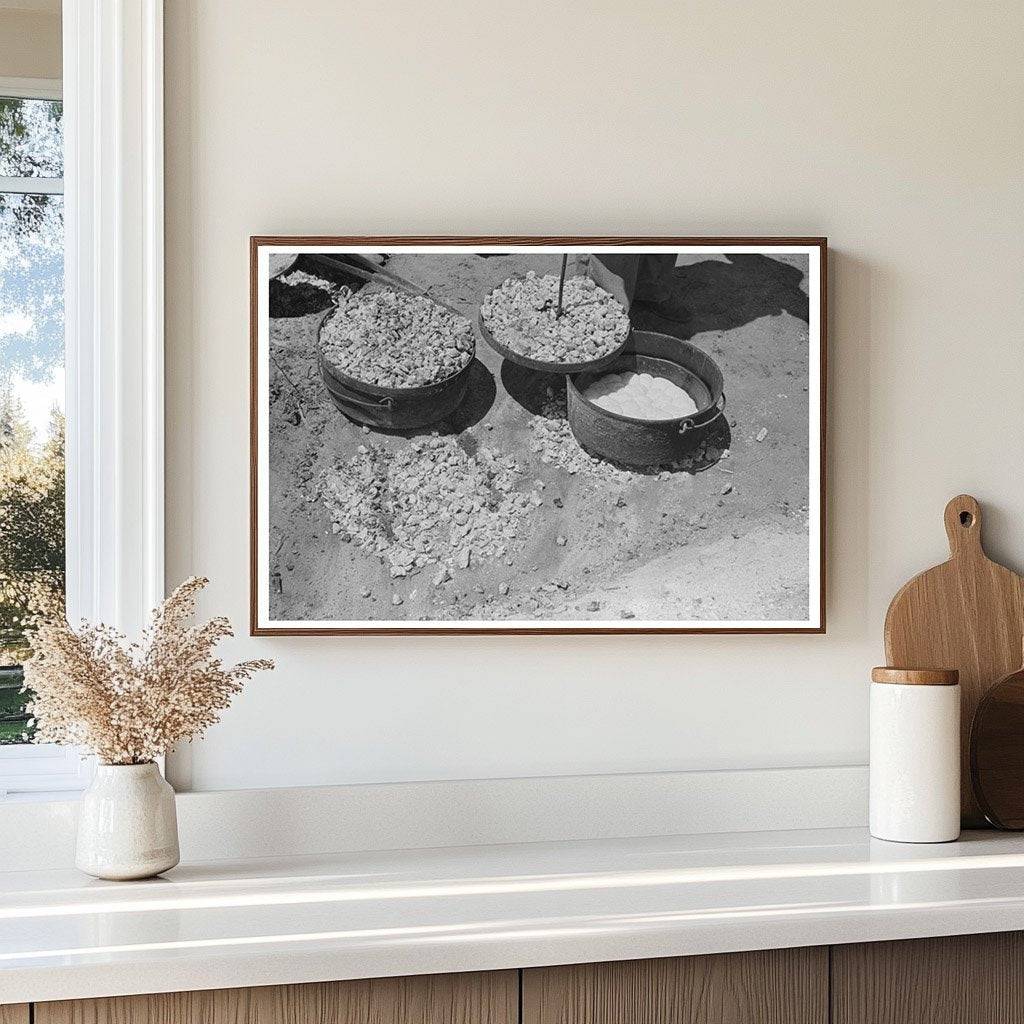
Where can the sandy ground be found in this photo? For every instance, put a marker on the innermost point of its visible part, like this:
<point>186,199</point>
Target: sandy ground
<point>650,546</point>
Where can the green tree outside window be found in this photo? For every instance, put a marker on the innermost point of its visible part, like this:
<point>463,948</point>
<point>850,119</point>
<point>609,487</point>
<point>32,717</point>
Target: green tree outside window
<point>32,555</point>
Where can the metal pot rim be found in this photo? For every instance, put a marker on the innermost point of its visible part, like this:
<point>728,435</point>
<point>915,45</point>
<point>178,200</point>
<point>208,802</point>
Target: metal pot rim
<point>695,418</point>
<point>561,369</point>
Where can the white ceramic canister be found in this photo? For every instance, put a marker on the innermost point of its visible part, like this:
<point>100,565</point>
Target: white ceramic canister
<point>915,755</point>
<point>127,824</point>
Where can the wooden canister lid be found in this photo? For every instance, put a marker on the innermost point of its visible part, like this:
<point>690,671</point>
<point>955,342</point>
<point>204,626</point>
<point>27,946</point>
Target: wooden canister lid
<point>916,676</point>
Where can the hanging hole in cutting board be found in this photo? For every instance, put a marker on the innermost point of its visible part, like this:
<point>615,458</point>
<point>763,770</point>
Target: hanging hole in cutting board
<point>966,519</point>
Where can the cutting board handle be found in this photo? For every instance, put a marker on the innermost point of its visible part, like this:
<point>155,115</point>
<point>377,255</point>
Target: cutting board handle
<point>963,526</point>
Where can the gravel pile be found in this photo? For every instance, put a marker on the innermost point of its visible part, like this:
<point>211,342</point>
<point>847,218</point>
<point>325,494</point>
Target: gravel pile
<point>552,438</point>
<point>395,340</point>
<point>429,504</point>
<point>521,314</point>
<point>298,277</point>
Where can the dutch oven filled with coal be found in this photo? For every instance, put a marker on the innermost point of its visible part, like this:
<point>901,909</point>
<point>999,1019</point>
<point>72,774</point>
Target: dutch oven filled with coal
<point>394,360</point>
<point>553,324</point>
<point>652,405</point>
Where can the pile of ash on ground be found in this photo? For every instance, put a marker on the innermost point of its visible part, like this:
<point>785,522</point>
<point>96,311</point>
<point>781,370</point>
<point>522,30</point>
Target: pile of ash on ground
<point>430,504</point>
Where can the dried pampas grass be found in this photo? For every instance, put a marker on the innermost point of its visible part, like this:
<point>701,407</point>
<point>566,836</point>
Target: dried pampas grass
<point>129,703</point>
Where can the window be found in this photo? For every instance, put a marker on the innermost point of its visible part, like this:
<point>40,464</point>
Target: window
<point>109,208</point>
<point>32,513</point>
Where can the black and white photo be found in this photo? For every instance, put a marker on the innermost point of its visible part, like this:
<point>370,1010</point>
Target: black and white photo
<point>509,435</point>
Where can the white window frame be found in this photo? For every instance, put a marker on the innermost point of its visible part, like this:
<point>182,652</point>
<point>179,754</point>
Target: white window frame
<point>32,88</point>
<point>114,326</point>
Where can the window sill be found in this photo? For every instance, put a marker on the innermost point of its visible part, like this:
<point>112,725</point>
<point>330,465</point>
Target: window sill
<point>42,771</point>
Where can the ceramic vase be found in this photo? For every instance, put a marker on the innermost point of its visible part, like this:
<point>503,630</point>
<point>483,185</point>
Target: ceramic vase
<point>127,825</point>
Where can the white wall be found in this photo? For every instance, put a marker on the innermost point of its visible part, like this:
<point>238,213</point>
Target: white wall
<point>895,129</point>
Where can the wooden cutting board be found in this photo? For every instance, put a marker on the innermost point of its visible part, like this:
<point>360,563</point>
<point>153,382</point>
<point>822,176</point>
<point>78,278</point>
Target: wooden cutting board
<point>967,614</point>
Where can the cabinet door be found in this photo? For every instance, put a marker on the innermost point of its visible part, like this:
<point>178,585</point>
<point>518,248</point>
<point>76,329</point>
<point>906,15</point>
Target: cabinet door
<point>778,986</point>
<point>962,979</point>
<point>490,998</point>
<point>14,1013</point>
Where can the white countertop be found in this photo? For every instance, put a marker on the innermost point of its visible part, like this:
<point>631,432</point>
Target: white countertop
<point>262,922</point>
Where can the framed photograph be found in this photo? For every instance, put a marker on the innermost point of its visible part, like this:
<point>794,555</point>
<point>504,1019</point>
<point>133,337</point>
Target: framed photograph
<point>537,435</point>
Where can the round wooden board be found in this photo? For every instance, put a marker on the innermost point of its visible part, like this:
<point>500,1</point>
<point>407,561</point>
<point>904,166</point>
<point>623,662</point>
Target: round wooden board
<point>997,753</point>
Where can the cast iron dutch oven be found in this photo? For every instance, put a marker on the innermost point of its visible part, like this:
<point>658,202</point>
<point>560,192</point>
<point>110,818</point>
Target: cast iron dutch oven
<point>394,408</point>
<point>639,442</point>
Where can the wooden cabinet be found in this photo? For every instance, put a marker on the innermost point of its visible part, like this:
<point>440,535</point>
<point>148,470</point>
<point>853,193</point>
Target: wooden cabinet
<point>963,979</point>
<point>777,986</point>
<point>971,979</point>
<point>491,998</point>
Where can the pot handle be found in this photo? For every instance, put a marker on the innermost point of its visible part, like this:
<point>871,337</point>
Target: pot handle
<point>381,403</point>
<point>687,424</point>
<point>384,402</point>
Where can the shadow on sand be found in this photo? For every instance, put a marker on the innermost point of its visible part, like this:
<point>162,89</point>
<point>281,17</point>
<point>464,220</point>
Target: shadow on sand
<point>531,388</point>
<point>717,296</point>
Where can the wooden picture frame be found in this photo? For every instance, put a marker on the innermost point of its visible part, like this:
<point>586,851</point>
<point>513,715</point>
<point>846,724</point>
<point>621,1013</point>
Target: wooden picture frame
<point>729,250</point>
